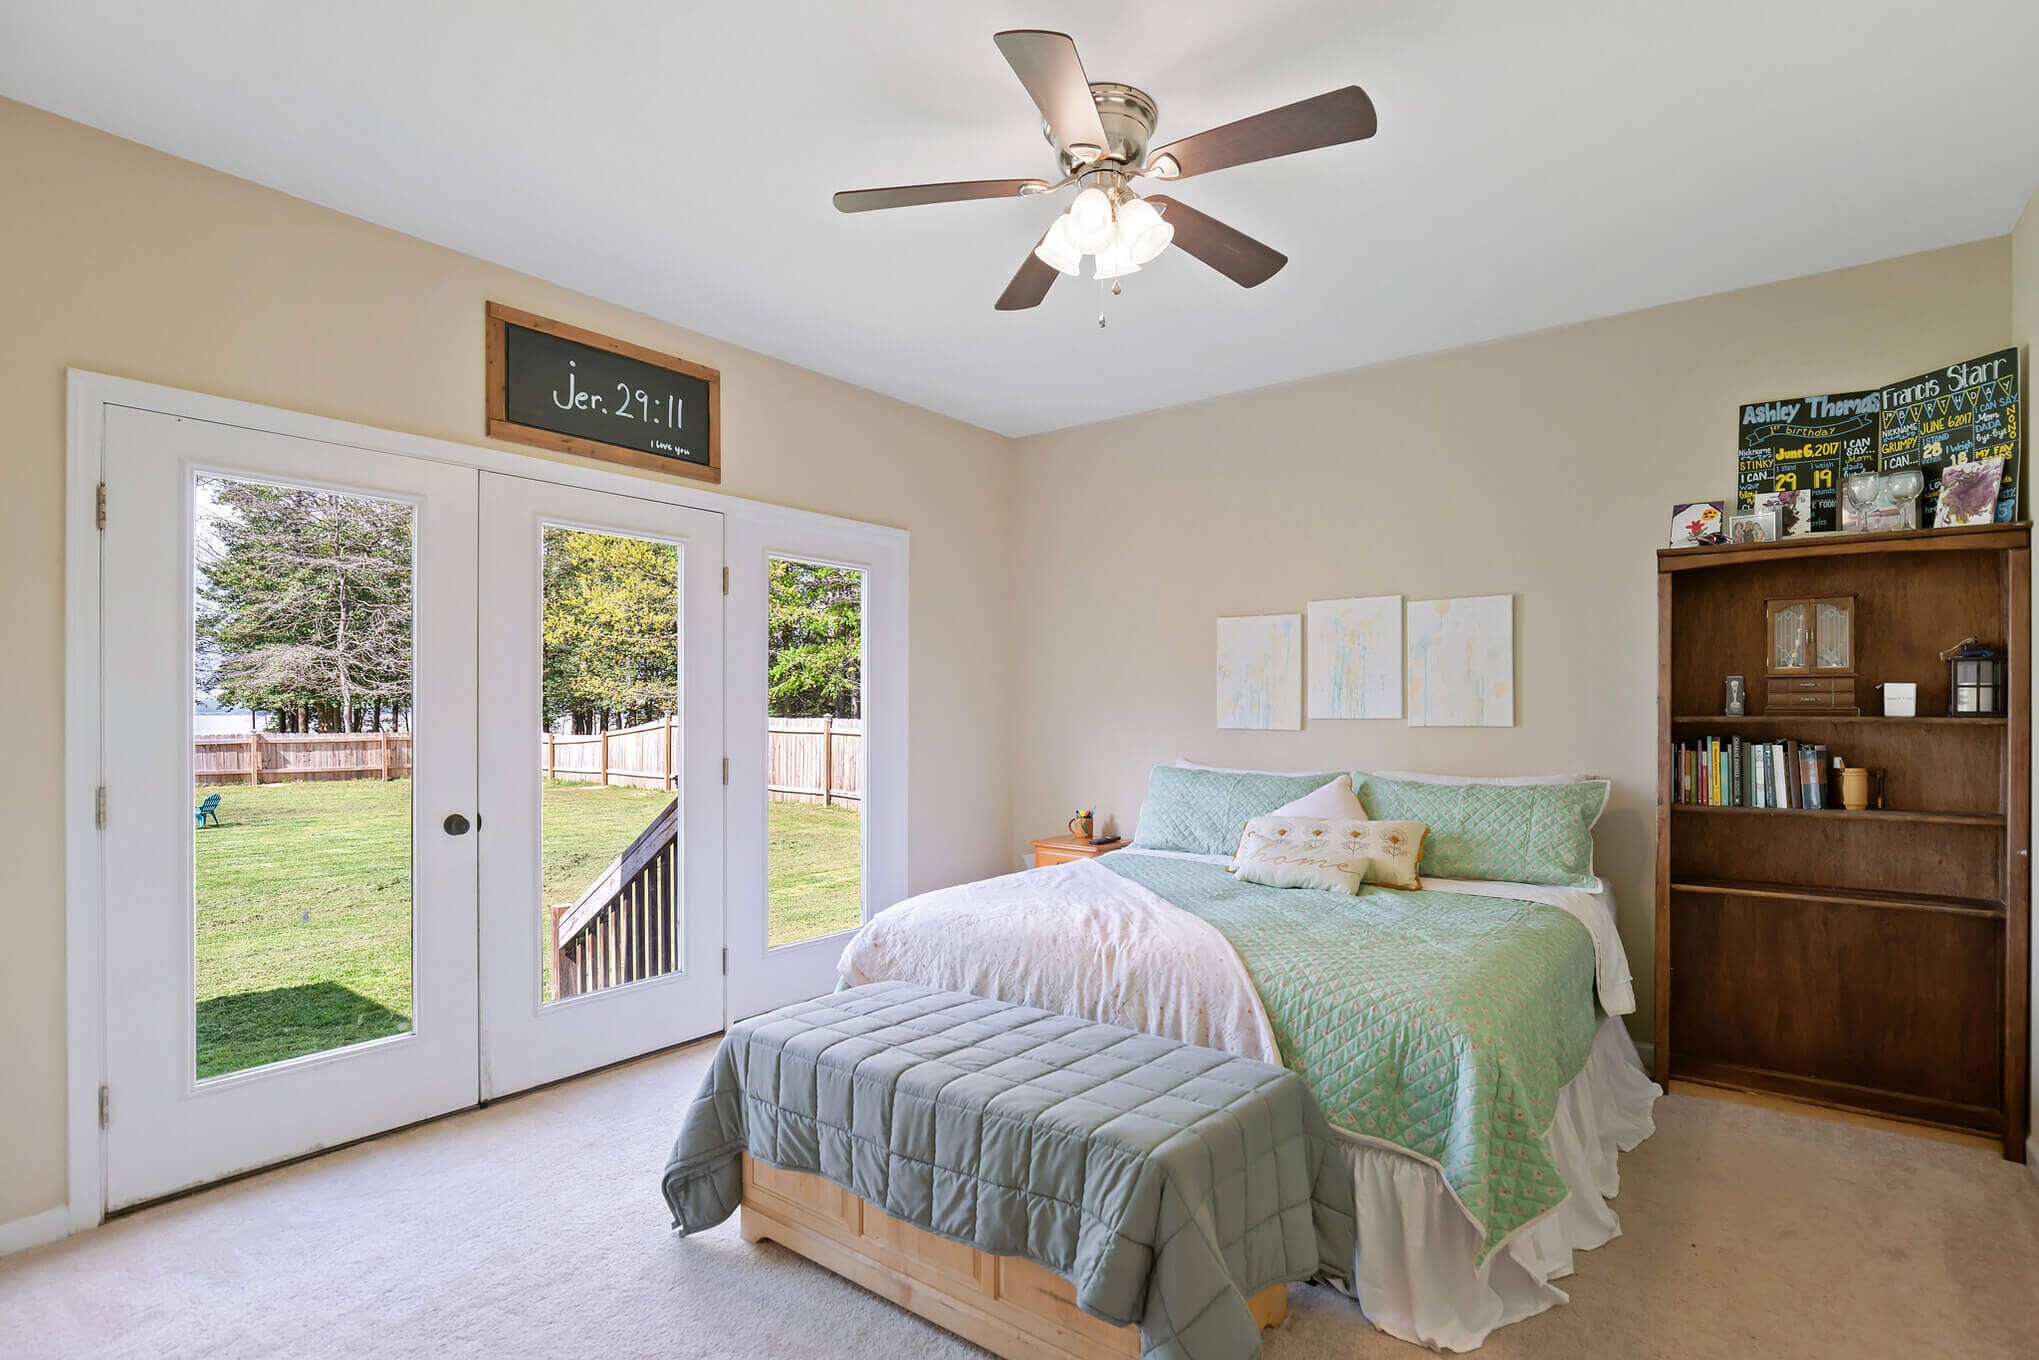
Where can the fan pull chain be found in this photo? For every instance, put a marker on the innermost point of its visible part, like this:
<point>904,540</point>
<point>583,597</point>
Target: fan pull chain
<point>1116,289</point>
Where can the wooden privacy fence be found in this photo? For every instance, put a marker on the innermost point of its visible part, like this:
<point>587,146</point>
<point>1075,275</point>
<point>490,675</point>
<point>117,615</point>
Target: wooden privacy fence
<point>624,927</point>
<point>808,760</point>
<point>275,757</point>
<point>641,756</point>
<point>815,760</point>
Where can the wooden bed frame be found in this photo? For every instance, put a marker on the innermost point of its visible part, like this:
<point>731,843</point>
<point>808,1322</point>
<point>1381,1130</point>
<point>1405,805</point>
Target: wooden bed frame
<point>1006,1304</point>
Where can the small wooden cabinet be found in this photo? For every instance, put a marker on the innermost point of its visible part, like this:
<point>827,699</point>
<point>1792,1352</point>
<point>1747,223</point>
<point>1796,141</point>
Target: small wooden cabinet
<point>1875,960</point>
<point>1809,654</point>
<point>1061,849</point>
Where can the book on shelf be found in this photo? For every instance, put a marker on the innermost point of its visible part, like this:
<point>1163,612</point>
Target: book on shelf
<point>1735,772</point>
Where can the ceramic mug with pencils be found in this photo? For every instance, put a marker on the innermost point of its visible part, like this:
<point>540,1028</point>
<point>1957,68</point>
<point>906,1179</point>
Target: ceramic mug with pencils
<point>1083,825</point>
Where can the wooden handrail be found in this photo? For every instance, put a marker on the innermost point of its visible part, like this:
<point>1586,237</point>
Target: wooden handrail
<point>620,872</point>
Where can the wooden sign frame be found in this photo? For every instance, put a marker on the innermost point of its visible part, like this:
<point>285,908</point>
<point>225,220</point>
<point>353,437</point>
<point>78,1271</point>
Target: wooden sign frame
<point>497,393</point>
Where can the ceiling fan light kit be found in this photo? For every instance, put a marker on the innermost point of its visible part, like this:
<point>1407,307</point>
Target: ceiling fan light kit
<point>1100,131</point>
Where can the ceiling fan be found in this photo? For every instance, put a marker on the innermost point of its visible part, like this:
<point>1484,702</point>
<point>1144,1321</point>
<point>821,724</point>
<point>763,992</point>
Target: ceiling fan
<point>1100,131</point>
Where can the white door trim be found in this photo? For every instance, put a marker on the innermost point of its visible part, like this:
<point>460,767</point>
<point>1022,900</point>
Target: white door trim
<point>88,393</point>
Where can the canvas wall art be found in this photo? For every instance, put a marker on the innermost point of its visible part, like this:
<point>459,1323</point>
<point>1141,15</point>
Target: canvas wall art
<point>1355,657</point>
<point>1260,672</point>
<point>1462,662</point>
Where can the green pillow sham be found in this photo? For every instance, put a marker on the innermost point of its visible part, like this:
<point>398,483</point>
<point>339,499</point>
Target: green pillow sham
<point>1205,811</point>
<point>1515,833</point>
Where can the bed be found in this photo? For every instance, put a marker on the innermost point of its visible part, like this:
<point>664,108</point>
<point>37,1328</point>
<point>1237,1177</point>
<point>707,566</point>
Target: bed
<point>1464,1038</point>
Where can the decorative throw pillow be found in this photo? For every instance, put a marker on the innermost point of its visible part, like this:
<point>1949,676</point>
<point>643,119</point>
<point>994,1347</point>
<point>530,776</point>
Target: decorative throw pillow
<point>1394,852</point>
<point>1392,849</point>
<point>1515,833</point>
<point>1301,852</point>
<point>1201,811</point>
<point>1335,801</point>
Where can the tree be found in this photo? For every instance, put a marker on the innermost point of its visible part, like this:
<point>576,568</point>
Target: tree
<point>816,635</point>
<point>612,654</point>
<point>304,603</point>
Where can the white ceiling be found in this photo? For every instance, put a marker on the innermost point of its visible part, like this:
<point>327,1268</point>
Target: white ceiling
<point>1539,162</point>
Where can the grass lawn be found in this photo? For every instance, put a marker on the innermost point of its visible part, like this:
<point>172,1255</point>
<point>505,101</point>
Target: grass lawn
<point>815,866</point>
<point>304,939</point>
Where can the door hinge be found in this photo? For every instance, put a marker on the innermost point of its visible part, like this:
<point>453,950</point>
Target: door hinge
<point>725,771</point>
<point>725,973</point>
<point>99,807</point>
<point>105,1106</point>
<point>102,524</point>
<point>102,509</point>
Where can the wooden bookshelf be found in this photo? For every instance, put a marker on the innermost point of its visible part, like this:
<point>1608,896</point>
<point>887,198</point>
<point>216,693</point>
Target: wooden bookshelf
<point>1874,960</point>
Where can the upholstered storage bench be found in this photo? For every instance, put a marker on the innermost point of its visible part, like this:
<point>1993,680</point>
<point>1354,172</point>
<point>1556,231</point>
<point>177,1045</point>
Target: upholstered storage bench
<point>1039,1184</point>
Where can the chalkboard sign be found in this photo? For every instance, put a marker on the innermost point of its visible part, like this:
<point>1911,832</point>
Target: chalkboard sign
<point>563,388</point>
<point>1962,413</point>
<point>1958,414</point>
<point>1807,444</point>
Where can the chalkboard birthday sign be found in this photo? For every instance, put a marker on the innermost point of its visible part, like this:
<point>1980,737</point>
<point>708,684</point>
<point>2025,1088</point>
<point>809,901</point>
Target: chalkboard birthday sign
<point>559,387</point>
<point>1962,413</point>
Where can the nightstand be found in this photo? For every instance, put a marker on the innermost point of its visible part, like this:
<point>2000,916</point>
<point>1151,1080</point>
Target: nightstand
<point>1062,849</point>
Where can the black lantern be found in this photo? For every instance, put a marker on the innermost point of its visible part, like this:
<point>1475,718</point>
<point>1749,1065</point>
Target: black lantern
<point>1975,684</point>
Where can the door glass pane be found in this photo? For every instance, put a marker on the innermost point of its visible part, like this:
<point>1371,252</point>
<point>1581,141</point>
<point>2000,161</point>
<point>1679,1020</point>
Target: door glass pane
<point>609,755</point>
<point>1789,631</point>
<point>1832,632</point>
<point>301,752</point>
<point>815,766</point>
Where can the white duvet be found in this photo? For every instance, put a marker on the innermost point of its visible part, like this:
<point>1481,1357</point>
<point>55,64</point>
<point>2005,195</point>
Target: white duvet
<point>1076,939</point>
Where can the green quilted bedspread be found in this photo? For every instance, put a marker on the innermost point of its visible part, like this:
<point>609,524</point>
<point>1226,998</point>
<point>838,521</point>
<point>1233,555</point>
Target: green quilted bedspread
<point>1440,1023</point>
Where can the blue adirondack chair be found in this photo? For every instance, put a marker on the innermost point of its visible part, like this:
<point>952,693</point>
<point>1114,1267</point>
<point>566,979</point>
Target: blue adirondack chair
<point>209,808</point>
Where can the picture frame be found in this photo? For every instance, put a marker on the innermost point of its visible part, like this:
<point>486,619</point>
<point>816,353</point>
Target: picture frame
<point>1793,508</point>
<point>1753,526</point>
<point>1694,523</point>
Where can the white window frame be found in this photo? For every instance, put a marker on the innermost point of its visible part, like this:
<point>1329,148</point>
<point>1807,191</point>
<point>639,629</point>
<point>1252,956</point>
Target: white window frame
<point>884,548</point>
<point>760,978</point>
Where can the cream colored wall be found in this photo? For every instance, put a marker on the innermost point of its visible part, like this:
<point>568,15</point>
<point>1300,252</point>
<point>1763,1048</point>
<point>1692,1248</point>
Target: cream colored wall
<point>2025,335</point>
<point>117,258</point>
<point>1545,467</point>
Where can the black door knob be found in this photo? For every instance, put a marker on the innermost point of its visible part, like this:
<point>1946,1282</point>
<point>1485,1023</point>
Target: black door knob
<point>456,825</point>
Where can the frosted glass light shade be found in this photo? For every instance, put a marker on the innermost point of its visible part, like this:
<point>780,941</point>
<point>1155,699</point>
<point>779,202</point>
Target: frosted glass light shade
<point>1056,252</point>
<point>1142,231</point>
<point>1113,261</point>
<point>1090,221</point>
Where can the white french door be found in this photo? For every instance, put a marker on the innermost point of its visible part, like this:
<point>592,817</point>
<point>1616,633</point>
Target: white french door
<point>579,969</point>
<point>299,970</point>
<point>395,888</point>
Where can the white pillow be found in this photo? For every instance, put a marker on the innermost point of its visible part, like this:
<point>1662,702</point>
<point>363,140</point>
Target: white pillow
<point>1335,801</point>
<point>1306,853</point>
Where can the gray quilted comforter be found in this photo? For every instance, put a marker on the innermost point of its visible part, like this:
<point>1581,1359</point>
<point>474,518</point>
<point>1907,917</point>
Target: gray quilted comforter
<point>1165,1182</point>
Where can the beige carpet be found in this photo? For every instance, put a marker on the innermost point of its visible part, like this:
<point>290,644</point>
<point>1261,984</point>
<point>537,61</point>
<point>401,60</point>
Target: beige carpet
<point>535,1228</point>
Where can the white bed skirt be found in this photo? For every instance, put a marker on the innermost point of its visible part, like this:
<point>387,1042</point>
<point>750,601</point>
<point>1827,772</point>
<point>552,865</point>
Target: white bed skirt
<point>1415,1275</point>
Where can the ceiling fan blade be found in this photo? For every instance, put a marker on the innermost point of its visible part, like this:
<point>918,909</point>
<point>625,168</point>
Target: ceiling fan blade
<point>1047,64</point>
<point>1030,285</point>
<point>1345,115</point>
<point>913,195</point>
<point>1232,253</point>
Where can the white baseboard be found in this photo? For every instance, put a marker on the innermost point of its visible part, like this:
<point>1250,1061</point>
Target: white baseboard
<point>35,1230</point>
<point>2032,1155</point>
